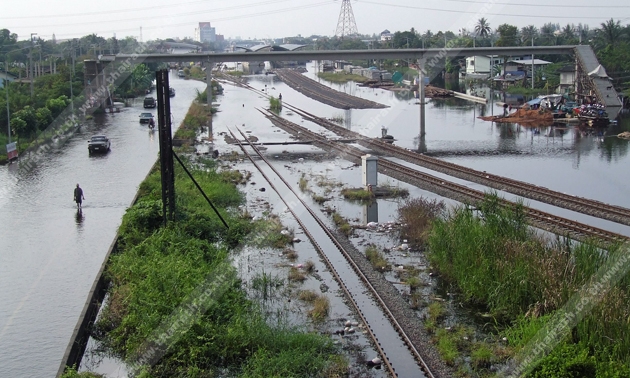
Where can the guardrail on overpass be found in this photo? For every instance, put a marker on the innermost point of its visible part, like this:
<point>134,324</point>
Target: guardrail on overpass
<point>585,58</point>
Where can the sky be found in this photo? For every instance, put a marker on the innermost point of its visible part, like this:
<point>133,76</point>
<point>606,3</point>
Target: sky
<point>267,19</point>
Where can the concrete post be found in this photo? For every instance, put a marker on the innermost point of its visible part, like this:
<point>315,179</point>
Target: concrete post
<point>422,99</point>
<point>209,83</point>
<point>209,92</point>
<point>369,170</point>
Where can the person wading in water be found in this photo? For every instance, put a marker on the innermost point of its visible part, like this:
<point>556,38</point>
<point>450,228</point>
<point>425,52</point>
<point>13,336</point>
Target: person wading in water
<point>78,196</point>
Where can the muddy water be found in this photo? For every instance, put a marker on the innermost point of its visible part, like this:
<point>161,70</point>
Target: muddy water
<point>50,254</point>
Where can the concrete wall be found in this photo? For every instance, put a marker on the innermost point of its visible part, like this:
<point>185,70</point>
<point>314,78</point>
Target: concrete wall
<point>81,334</point>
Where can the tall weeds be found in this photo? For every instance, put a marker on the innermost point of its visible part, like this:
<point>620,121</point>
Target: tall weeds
<point>497,261</point>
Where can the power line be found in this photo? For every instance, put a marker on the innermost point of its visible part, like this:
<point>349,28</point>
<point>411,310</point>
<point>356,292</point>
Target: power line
<point>477,12</point>
<point>178,5</point>
<point>230,18</point>
<point>599,6</point>
<point>189,13</point>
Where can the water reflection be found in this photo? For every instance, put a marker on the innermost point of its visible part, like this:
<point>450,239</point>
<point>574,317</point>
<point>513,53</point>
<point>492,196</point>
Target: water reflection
<point>370,212</point>
<point>78,218</point>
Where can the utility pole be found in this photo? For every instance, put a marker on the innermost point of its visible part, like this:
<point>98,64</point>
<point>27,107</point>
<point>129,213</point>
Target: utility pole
<point>6,89</point>
<point>532,63</point>
<point>30,57</point>
<point>72,78</point>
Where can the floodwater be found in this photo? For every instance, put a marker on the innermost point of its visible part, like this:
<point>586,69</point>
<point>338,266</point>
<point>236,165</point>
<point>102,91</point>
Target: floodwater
<point>566,158</point>
<point>50,254</point>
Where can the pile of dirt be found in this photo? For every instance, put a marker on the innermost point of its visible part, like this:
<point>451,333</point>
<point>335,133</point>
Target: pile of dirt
<point>431,91</point>
<point>522,116</point>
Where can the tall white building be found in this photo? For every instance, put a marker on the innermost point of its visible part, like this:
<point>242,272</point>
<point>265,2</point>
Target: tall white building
<point>205,33</point>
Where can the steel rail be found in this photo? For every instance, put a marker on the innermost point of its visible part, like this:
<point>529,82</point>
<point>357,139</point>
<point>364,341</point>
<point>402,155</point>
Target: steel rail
<point>598,209</point>
<point>355,267</point>
<point>540,219</point>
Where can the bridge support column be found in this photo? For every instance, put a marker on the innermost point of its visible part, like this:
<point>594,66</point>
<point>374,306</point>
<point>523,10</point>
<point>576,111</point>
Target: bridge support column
<point>209,92</point>
<point>421,96</point>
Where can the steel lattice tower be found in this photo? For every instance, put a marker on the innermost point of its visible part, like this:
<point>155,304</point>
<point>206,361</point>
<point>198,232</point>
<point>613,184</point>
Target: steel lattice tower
<point>346,24</point>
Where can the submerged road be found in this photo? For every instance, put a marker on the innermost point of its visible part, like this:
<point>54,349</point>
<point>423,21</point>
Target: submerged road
<point>49,254</point>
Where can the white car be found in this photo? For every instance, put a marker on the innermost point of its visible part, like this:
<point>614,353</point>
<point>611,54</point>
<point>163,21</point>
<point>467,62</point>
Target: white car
<point>98,143</point>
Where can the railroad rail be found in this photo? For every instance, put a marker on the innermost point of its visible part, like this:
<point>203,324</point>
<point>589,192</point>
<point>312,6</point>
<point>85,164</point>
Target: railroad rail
<point>536,218</point>
<point>376,295</point>
<point>598,209</point>
<point>324,94</point>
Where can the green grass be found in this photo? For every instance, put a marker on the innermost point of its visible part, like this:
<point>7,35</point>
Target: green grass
<point>321,308</point>
<point>436,311</point>
<point>303,183</point>
<point>447,347</point>
<point>275,103</point>
<point>342,224</point>
<point>481,356</point>
<point>308,296</point>
<point>376,258</point>
<point>319,199</point>
<point>72,373</point>
<point>340,77</point>
<point>266,285</point>
<point>235,73</point>
<point>357,194</point>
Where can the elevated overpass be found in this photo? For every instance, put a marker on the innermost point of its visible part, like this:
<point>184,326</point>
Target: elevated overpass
<point>586,61</point>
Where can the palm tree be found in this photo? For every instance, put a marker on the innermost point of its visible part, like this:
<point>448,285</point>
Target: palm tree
<point>611,32</point>
<point>483,28</point>
<point>568,32</point>
<point>528,33</point>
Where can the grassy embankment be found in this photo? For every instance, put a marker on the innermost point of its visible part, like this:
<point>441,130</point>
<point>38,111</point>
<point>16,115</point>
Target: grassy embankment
<point>498,264</point>
<point>159,274</point>
<point>340,77</point>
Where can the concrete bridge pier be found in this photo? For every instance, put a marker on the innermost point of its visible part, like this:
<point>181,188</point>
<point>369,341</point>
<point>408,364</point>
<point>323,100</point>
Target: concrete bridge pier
<point>421,63</point>
<point>209,92</point>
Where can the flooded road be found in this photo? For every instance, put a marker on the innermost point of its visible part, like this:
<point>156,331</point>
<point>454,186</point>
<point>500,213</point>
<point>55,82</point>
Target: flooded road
<point>50,254</point>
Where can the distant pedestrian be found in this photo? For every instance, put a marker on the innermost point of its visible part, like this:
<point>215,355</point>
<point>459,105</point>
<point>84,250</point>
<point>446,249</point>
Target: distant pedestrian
<point>280,97</point>
<point>78,196</point>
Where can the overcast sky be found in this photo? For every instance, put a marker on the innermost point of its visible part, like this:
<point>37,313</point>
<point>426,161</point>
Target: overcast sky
<point>285,18</point>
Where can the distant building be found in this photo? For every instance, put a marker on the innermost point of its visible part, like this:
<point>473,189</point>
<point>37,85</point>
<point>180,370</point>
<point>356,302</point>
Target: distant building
<point>482,64</point>
<point>524,65</point>
<point>386,35</point>
<point>205,33</point>
<point>6,76</point>
<point>567,79</point>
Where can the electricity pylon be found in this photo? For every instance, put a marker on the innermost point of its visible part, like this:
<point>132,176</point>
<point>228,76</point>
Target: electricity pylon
<point>346,24</point>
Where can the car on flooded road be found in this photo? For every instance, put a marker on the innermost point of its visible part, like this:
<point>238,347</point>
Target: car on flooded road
<point>99,143</point>
<point>146,117</point>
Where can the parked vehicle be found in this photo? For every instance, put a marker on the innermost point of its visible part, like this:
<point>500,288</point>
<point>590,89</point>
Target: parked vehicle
<point>146,117</point>
<point>149,102</point>
<point>181,73</point>
<point>98,143</point>
<point>171,92</point>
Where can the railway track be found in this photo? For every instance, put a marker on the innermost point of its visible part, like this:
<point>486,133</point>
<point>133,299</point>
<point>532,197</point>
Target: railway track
<point>322,93</point>
<point>536,218</point>
<point>392,315</point>
<point>582,205</point>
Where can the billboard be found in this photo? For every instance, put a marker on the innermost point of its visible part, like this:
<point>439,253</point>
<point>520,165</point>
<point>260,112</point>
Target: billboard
<point>12,152</point>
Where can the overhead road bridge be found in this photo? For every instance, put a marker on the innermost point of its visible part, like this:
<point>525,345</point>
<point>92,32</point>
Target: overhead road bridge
<point>586,61</point>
